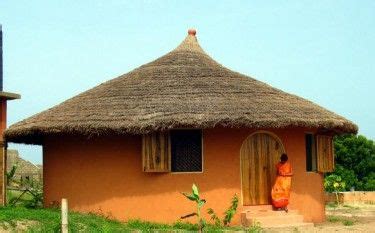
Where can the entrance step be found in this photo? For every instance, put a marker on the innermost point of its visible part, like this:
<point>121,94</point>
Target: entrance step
<point>267,213</point>
<point>265,217</point>
<point>257,207</point>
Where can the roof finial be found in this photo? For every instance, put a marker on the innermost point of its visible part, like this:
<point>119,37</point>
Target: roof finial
<point>192,31</point>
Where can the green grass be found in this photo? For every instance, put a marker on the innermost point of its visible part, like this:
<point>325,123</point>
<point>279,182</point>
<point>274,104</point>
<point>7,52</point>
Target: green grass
<point>344,220</point>
<point>48,220</point>
<point>12,195</point>
<point>332,205</point>
<point>333,218</point>
<point>351,207</point>
<point>348,222</point>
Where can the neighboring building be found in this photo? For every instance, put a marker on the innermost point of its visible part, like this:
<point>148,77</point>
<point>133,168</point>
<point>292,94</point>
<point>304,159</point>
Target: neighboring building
<point>131,145</point>
<point>26,170</point>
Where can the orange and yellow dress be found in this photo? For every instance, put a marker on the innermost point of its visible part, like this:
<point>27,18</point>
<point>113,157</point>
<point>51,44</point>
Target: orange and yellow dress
<point>281,189</point>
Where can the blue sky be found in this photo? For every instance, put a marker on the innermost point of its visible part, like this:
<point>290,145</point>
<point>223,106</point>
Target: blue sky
<point>321,50</point>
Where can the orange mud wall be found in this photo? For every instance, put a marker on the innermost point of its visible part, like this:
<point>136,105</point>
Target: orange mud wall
<point>3,121</point>
<point>105,176</point>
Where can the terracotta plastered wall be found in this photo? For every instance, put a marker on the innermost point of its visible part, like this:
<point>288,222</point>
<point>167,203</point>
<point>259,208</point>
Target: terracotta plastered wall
<point>105,176</point>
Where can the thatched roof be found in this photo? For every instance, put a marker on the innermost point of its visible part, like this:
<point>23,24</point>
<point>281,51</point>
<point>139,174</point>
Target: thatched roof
<point>184,88</point>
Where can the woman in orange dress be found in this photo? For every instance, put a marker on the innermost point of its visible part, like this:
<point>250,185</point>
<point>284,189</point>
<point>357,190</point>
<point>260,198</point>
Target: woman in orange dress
<point>281,189</point>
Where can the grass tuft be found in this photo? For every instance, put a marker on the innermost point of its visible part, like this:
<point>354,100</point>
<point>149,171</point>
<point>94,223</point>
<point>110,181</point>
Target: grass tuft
<point>348,222</point>
<point>343,220</point>
<point>333,218</point>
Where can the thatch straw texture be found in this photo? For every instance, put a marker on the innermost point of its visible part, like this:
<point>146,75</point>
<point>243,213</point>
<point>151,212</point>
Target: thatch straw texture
<point>184,88</point>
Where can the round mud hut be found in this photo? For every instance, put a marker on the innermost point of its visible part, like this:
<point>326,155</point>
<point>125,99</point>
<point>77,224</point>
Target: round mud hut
<point>131,145</point>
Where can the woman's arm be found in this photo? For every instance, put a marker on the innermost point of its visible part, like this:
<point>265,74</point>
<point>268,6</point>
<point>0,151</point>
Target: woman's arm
<point>288,174</point>
<point>285,173</point>
<point>282,173</point>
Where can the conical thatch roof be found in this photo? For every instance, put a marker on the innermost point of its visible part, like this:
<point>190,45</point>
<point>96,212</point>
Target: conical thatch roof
<point>184,88</point>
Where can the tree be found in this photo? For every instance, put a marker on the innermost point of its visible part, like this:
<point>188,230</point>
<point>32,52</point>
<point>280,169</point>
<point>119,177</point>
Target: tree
<point>355,161</point>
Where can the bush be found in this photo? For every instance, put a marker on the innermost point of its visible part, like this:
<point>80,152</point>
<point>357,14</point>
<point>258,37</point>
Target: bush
<point>355,162</point>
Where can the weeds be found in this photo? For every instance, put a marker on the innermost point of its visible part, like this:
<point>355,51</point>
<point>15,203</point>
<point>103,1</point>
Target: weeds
<point>255,228</point>
<point>228,214</point>
<point>343,220</point>
<point>333,218</point>
<point>348,222</point>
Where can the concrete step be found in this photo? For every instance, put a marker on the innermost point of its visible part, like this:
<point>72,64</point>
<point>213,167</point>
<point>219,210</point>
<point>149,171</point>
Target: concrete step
<point>270,221</point>
<point>265,217</point>
<point>259,213</point>
<point>257,207</point>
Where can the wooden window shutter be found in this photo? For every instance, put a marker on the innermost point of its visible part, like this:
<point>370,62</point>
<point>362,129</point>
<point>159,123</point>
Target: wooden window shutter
<point>325,154</point>
<point>156,152</point>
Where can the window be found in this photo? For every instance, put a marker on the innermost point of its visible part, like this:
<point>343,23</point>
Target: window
<point>186,150</point>
<point>319,153</point>
<point>176,151</point>
<point>311,161</point>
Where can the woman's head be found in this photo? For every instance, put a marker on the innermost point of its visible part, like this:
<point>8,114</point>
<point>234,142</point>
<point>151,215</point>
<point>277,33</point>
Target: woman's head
<point>284,158</point>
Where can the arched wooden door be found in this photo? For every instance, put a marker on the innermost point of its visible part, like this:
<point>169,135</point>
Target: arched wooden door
<point>260,153</point>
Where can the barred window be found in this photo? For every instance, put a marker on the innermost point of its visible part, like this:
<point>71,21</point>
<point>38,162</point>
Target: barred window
<point>186,150</point>
<point>311,157</point>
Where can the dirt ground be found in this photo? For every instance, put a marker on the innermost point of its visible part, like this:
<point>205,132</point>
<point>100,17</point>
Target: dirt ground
<point>16,226</point>
<point>349,218</point>
<point>346,218</point>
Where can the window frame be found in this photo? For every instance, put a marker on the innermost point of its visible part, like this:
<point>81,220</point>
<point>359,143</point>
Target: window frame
<point>202,154</point>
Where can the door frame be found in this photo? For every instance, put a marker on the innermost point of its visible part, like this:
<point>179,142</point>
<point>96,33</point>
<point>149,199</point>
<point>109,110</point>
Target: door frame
<point>250,135</point>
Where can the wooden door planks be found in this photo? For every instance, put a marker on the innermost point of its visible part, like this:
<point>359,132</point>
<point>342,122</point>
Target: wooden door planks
<point>259,155</point>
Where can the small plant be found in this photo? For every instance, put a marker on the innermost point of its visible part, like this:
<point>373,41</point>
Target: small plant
<point>214,217</point>
<point>344,221</point>
<point>255,228</point>
<point>228,214</point>
<point>334,183</point>
<point>333,219</point>
<point>348,222</point>
<point>11,173</point>
<point>194,196</point>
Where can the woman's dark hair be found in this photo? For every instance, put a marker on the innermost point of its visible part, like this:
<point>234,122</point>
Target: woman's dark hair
<point>284,158</point>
